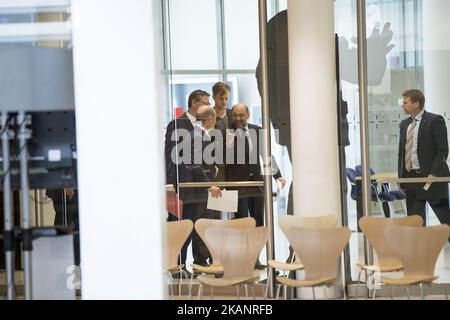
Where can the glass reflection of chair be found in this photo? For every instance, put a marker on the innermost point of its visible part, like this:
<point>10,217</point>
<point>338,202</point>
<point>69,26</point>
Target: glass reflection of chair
<point>387,260</point>
<point>176,236</point>
<point>418,249</point>
<point>287,221</point>
<point>386,194</point>
<point>319,251</point>
<point>378,197</point>
<point>238,250</point>
<point>201,225</point>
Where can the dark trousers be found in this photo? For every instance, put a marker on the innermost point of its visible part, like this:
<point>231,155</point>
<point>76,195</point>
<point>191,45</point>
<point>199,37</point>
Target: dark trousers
<point>417,207</point>
<point>193,212</point>
<point>251,207</point>
<point>437,197</point>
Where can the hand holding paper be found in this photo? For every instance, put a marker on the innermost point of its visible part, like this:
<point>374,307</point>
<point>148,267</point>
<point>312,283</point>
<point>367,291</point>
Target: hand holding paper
<point>428,184</point>
<point>228,202</point>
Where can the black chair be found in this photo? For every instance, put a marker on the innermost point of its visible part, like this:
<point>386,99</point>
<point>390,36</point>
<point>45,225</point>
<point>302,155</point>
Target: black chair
<point>381,198</point>
<point>386,194</point>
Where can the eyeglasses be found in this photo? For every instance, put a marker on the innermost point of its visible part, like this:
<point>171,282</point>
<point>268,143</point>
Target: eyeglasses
<point>204,103</point>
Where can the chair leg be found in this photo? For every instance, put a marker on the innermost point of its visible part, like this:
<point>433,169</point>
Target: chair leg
<point>359,282</point>
<point>325,292</point>
<point>211,292</point>
<point>190,285</point>
<point>366,287</point>
<point>314,293</point>
<point>200,289</point>
<point>180,282</point>
<point>404,206</point>
<point>238,293</point>
<point>391,209</point>
<point>285,291</point>
<point>374,293</point>
<point>421,291</point>
<point>266,292</point>
<point>278,290</point>
<point>246,291</point>
<point>171,285</point>
<point>407,293</point>
<point>392,292</point>
<point>380,207</point>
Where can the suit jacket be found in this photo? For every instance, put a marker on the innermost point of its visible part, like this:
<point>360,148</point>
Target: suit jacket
<point>172,170</point>
<point>249,170</point>
<point>432,152</point>
<point>229,114</point>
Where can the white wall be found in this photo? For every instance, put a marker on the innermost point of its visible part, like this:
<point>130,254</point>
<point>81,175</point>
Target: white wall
<point>119,154</point>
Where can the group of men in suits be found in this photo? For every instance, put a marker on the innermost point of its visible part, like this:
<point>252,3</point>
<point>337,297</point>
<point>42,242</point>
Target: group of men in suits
<point>208,144</point>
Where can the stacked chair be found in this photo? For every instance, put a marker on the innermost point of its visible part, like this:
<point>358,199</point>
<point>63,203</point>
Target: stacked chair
<point>201,225</point>
<point>288,221</point>
<point>374,229</point>
<point>237,249</point>
<point>418,249</point>
<point>177,233</point>
<point>319,251</point>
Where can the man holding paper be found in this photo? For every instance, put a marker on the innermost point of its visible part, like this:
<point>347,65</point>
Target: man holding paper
<point>202,168</point>
<point>179,153</point>
<point>423,152</point>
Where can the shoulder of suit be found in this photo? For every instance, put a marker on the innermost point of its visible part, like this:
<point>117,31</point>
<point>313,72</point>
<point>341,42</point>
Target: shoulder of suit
<point>254,126</point>
<point>432,116</point>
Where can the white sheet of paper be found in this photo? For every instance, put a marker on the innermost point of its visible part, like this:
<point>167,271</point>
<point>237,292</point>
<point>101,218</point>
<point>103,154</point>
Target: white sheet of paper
<point>227,203</point>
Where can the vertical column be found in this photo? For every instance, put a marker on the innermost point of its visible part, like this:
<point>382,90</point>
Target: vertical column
<point>312,76</point>
<point>8,214</point>
<point>436,55</point>
<point>119,132</point>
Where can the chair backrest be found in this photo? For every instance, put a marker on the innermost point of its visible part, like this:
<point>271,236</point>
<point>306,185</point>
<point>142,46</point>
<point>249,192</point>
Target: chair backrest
<point>358,170</point>
<point>201,225</point>
<point>319,249</point>
<point>351,175</point>
<point>418,247</point>
<point>320,222</point>
<point>177,233</point>
<point>374,229</point>
<point>238,249</point>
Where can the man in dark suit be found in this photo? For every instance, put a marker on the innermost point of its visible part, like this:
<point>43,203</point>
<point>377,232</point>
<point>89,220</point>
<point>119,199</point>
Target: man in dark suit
<point>245,165</point>
<point>423,152</point>
<point>178,157</point>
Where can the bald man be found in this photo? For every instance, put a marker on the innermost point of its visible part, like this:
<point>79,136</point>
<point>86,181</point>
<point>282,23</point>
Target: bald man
<point>246,164</point>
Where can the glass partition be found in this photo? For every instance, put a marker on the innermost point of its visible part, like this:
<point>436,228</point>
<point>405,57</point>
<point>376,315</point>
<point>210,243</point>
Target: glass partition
<point>222,46</point>
<point>404,52</point>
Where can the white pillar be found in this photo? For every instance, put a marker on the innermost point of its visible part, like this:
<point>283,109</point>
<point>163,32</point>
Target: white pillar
<point>436,55</point>
<point>312,76</point>
<point>119,136</point>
